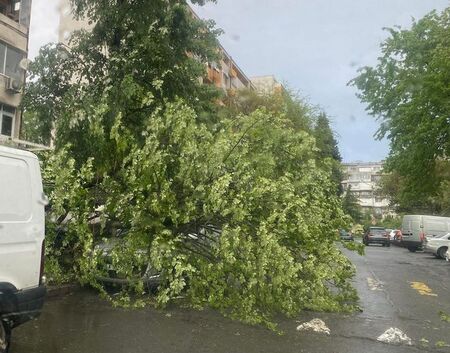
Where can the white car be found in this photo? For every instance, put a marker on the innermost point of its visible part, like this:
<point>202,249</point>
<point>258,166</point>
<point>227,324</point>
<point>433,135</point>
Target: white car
<point>438,246</point>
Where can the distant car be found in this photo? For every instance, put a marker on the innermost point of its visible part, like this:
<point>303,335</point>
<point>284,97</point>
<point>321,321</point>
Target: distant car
<point>395,236</point>
<point>346,236</point>
<point>376,235</point>
<point>438,246</point>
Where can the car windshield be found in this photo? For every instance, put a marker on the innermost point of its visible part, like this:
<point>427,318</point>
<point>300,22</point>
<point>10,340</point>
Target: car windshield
<point>224,176</point>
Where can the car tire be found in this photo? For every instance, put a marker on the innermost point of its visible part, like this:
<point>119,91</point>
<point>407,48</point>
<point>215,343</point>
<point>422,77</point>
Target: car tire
<point>411,249</point>
<point>5,337</point>
<point>388,244</point>
<point>441,252</point>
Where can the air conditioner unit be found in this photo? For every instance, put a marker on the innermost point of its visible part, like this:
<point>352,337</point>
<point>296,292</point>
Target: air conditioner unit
<point>13,85</point>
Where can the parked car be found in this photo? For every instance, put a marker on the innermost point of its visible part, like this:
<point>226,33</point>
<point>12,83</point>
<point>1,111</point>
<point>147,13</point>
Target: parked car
<point>346,236</point>
<point>148,275</point>
<point>395,236</point>
<point>22,230</point>
<point>376,235</point>
<point>145,273</point>
<point>415,228</point>
<point>438,246</point>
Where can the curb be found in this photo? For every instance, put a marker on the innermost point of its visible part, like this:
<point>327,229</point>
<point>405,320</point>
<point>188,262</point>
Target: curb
<point>57,291</point>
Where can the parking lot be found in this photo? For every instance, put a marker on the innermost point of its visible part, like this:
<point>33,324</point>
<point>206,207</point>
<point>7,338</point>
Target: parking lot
<point>398,289</point>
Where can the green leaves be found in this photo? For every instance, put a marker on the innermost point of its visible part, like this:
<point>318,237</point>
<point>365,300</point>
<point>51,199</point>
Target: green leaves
<point>235,211</point>
<point>408,92</point>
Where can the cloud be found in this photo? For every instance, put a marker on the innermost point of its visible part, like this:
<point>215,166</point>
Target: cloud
<point>44,25</point>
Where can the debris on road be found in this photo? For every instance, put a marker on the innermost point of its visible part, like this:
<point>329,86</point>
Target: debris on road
<point>423,289</point>
<point>315,325</point>
<point>394,336</point>
<point>441,344</point>
<point>444,316</point>
<point>374,284</point>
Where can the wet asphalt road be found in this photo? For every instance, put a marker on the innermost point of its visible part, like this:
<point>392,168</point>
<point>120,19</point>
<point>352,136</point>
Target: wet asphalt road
<point>81,322</point>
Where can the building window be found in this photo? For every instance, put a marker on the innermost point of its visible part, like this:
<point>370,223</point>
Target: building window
<point>7,117</point>
<point>376,178</point>
<point>10,59</point>
<point>226,80</point>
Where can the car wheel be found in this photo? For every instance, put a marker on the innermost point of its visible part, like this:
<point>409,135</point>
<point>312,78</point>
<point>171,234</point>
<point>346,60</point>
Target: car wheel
<point>441,252</point>
<point>388,244</point>
<point>5,337</point>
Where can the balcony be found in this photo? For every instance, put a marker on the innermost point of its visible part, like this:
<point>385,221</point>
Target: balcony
<point>10,9</point>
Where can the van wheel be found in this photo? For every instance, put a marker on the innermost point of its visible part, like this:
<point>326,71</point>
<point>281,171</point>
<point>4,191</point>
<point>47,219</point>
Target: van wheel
<point>412,249</point>
<point>441,252</point>
<point>5,337</point>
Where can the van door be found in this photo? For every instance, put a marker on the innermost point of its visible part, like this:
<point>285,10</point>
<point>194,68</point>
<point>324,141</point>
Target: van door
<point>21,220</point>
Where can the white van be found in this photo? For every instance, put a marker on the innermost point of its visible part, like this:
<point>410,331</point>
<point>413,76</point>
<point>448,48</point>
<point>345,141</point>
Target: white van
<point>22,230</point>
<point>415,228</point>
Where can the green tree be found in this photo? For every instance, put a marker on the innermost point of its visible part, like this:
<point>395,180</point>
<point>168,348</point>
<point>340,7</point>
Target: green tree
<point>408,92</point>
<point>286,102</point>
<point>238,209</point>
<point>328,149</point>
<point>351,206</point>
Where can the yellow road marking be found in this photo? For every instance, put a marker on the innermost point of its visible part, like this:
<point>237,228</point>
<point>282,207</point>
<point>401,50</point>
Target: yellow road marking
<point>423,289</point>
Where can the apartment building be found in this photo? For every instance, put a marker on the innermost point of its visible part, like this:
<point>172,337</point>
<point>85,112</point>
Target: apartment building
<point>267,84</point>
<point>224,74</point>
<point>363,179</point>
<point>14,26</point>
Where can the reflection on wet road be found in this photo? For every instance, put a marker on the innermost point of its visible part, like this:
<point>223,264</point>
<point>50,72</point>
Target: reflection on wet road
<point>389,281</point>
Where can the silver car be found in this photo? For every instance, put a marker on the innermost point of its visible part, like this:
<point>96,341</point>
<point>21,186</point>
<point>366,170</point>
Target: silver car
<point>438,246</point>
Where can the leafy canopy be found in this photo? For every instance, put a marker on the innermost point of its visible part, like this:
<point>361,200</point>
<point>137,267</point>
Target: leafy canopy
<point>408,92</point>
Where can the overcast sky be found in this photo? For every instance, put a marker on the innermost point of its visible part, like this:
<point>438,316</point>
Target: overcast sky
<point>315,46</point>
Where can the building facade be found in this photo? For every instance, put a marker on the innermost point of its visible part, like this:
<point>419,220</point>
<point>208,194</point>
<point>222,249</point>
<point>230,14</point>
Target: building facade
<point>362,178</point>
<point>224,74</point>
<point>14,27</point>
<point>267,85</point>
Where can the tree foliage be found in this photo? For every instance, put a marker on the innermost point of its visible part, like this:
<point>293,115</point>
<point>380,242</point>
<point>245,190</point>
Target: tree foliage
<point>236,215</point>
<point>328,149</point>
<point>350,204</point>
<point>408,92</point>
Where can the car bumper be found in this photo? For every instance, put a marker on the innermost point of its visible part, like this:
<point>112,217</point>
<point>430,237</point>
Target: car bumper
<point>378,240</point>
<point>18,307</point>
<point>411,243</point>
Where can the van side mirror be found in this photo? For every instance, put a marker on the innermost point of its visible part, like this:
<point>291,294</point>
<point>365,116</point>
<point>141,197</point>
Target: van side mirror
<point>44,200</point>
